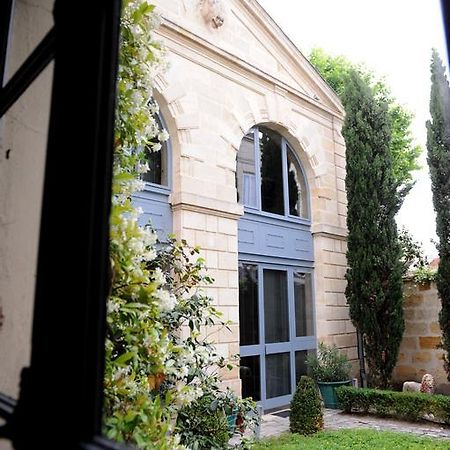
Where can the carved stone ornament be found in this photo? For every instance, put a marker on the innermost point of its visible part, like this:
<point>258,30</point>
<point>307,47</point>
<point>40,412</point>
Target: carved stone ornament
<point>213,12</point>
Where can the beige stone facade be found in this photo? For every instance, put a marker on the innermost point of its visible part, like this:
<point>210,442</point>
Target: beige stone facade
<point>221,81</point>
<point>227,73</point>
<point>418,354</point>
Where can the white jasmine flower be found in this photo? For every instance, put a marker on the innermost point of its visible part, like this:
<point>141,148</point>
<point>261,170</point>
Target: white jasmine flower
<point>166,299</point>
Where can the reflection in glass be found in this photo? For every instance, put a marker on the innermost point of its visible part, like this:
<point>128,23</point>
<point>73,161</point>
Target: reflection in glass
<point>276,319</point>
<point>300,364</point>
<point>250,376</point>
<point>278,375</point>
<point>271,171</point>
<point>246,172</point>
<point>157,162</point>
<point>296,187</point>
<point>303,304</point>
<point>248,304</point>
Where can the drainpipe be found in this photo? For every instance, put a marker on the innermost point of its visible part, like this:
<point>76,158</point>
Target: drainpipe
<point>362,363</point>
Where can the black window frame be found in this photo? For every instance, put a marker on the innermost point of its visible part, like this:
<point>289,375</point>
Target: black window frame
<point>61,392</point>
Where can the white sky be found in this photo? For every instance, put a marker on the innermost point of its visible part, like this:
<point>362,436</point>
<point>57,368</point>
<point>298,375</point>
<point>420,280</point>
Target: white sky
<point>392,37</point>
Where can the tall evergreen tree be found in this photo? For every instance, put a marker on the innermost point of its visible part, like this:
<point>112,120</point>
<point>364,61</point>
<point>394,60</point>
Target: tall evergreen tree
<point>374,276</point>
<point>438,145</point>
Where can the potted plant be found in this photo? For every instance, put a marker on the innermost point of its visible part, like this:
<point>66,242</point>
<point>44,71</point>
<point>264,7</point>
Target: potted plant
<point>330,369</point>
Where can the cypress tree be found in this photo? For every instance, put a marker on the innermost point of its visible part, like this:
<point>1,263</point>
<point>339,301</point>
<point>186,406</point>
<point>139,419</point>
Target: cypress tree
<point>374,274</point>
<point>438,146</point>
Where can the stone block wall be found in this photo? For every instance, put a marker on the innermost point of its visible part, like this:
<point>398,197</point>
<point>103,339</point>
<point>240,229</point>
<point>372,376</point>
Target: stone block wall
<point>418,353</point>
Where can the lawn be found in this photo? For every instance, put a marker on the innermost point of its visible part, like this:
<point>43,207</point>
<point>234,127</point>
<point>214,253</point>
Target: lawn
<point>361,439</point>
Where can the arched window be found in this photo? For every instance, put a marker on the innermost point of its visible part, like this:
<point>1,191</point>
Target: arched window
<point>276,295</point>
<point>269,176</point>
<point>154,199</point>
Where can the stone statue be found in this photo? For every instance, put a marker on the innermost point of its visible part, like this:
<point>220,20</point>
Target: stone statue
<point>427,386</point>
<point>213,12</point>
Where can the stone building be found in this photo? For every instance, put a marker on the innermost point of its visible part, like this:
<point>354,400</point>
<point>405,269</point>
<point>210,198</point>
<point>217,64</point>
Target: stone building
<point>253,173</point>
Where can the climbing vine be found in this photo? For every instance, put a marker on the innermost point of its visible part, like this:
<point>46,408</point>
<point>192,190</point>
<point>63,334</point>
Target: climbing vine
<point>158,360</point>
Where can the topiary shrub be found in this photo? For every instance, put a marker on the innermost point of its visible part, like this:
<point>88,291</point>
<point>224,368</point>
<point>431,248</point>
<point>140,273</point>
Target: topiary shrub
<point>306,416</point>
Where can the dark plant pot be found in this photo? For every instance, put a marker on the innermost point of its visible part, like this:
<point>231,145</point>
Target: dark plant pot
<point>231,418</point>
<point>327,390</point>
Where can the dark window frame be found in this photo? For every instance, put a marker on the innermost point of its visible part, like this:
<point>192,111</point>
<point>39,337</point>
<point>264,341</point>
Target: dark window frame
<point>286,150</point>
<point>61,392</point>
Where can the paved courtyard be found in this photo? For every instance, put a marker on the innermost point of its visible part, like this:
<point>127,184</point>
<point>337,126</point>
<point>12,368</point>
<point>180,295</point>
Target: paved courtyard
<point>273,425</point>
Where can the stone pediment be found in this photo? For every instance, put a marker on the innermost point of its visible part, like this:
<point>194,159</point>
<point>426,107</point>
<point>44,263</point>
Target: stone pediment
<point>244,31</point>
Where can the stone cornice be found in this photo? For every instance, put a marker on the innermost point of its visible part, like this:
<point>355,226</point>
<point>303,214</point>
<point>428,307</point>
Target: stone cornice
<point>329,231</point>
<point>205,205</point>
<point>186,38</point>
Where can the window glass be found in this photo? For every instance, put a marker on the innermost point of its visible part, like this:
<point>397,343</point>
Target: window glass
<point>278,375</point>
<point>249,372</point>
<point>271,171</point>
<point>303,304</point>
<point>276,317</point>
<point>300,364</point>
<point>246,172</point>
<point>157,162</point>
<point>296,187</point>
<point>248,304</point>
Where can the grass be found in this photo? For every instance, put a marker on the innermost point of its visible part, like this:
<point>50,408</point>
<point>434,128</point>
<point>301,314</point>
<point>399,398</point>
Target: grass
<point>361,439</point>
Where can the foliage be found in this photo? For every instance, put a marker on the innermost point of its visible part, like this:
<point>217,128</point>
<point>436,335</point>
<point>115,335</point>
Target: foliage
<point>374,276</point>
<point>424,275</point>
<point>203,425</point>
<point>401,405</point>
<point>413,257</point>
<point>360,439</point>
<point>329,364</point>
<point>336,71</point>
<point>438,145</point>
<point>306,415</point>
<point>158,358</point>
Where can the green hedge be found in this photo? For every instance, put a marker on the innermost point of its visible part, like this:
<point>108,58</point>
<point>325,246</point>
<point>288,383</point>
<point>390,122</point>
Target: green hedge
<point>402,405</point>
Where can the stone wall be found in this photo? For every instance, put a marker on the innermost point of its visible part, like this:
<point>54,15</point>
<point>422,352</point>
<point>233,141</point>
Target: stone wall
<point>222,81</point>
<point>418,353</point>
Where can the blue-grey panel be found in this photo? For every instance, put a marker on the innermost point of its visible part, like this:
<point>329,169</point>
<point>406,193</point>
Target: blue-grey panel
<point>275,238</point>
<point>156,210</point>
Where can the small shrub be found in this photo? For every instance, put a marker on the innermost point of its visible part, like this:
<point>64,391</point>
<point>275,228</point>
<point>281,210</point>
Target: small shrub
<point>329,364</point>
<point>306,416</point>
<point>424,275</point>
<point>402,405</point>
<point>203,426</point>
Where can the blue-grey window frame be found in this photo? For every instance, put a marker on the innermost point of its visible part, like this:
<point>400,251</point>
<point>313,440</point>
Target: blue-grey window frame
<point>285,147</point>
<point>294,344</point>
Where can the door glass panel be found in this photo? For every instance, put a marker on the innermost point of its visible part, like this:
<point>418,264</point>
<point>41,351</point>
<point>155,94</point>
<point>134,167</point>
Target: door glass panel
<point>276,318</point>
<point>246,172</point>
<point>250,376</point>
<point>271,171</point>
<point>248,304</point>
<point>30,22</point>
<point>300,364</point>
<point>303,304</point>
<point>296,187</point>
<point>278,375</point>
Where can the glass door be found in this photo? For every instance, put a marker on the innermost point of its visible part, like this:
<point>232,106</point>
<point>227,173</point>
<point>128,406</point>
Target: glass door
<point>276,331</point>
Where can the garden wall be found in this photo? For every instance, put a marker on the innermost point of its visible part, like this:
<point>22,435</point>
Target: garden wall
<point>418,353</point>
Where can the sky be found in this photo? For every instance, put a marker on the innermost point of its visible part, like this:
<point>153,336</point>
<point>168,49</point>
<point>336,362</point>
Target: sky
<point>394,39</point>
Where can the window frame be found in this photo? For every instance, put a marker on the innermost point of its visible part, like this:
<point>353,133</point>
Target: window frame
<point>61,392</point>
<point>163,188</point>
<point>285,149</point>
